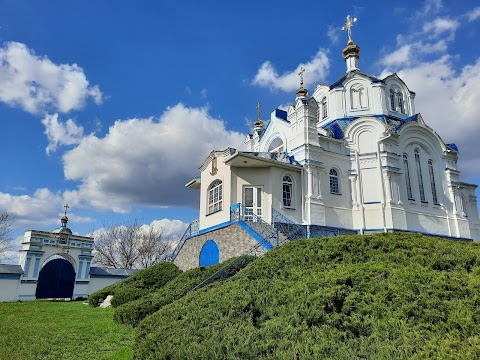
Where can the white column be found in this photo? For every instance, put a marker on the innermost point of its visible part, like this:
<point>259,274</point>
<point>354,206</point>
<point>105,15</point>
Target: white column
<point>353,182</point>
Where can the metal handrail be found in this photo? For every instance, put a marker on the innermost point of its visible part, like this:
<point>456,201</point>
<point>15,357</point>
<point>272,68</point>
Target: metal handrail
<point>287,227</point>
<point>192,230</point>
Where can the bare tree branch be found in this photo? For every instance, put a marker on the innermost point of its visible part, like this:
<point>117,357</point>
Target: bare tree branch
<point>6,221</point>
<point>129,246</point>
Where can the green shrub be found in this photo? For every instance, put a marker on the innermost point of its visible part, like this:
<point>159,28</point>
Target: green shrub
<point>141,283</point>
<point>385,296</point>
<point>133,312</point>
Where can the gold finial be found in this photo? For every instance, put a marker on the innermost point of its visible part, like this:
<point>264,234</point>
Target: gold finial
<point>302,70</point>
<point>66,208</point>
<point>258,110</point>
<point>348,27</point>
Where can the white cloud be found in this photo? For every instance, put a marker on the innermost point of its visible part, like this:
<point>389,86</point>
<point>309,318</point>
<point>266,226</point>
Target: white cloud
<point>333,33</point>
<point>146,161</point>
<point>398,57</point>
<point>36,84</point>
<point>171,229</point>
<point>474,14</point>
<point>315,71</point>
<point>440,26</point>
<point>58,133</point>
<point>40,209</point>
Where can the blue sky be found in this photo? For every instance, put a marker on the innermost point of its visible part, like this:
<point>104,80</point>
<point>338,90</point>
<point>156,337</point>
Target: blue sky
<point>111,106</point>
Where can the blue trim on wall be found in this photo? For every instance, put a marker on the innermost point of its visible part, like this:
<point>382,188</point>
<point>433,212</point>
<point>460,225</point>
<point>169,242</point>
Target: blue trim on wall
<point>27,265</point>
<point>254,234</point>
<point>215,227</point>
<point>10,276</point>
<point>80,267</point>
<point>371,202</point>
<point>37,265</point>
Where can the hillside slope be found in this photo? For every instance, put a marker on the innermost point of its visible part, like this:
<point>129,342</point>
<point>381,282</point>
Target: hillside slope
<point>383,296</point>
<point>141,283</point>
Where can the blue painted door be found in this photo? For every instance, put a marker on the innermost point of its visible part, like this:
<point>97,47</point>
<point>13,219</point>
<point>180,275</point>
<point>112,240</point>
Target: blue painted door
<point>56,280</point>
<point>209,254</point>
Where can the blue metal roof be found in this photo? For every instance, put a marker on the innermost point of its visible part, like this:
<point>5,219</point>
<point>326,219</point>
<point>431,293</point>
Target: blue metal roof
<point>453,147</point>
<point>339,82</point>
<point>281,114</point>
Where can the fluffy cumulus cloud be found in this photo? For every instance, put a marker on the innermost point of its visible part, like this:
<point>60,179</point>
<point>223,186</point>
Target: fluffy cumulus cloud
<point>146,161</point>
<point>171,229</point>
<point>61,133</point>
<point>40,209</point>
<point>315,70</point>
<point>447,96</point>
<point>34,83</point>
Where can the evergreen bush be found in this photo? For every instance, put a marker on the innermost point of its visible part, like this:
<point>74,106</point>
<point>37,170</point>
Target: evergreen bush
<point>133,312</point>
<point>141,283</point>
<point>382,296</point>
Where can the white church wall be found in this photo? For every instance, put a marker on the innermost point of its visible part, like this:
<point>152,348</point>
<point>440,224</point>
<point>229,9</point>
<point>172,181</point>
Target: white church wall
<point>9,287</point>
<point>294,213</point>
<point>208,176</point>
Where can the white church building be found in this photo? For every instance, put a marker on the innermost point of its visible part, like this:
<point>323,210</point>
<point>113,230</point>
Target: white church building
<point>355,156</point>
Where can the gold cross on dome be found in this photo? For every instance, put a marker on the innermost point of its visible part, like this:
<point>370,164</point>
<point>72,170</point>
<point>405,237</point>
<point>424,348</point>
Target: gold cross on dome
<point>66,208</point>
<point>302,70</point>
<point>258,110</point>
<point>348,26</point>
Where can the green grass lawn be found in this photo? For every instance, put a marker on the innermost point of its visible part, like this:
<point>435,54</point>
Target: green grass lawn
<point>61,330</point>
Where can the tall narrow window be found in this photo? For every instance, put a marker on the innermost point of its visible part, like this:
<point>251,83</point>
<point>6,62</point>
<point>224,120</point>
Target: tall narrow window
<point>392,100</point>
<point>432,182</point>
<point>324,108</point>
<point>401,108</point>
<point>407,177</point>
<point>463,207</point>
<point>215,197</point>
<point>361,100</point>
<point>334,184</point>
<point>419,175</point>
<point>287,191</point>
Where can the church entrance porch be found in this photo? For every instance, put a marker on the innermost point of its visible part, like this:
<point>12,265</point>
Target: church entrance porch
<point>56,280</point>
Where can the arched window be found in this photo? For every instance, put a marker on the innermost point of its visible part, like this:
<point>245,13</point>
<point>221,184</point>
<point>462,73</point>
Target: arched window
<point>276,145</point>
<point>334,183</point>
<point>407,177</point>
<point>392,100</point>
<point>432,182</point>
<point>215,197</point>
<point>396,100</point>
<point>419,175</point>
<point>324,107</point>
<point>287,191</point>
